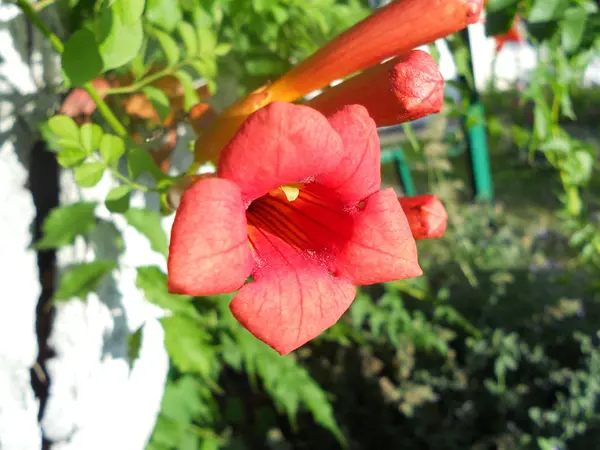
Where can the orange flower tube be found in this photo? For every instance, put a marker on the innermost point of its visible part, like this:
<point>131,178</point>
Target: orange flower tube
<point>403,89</point>
<point>392,30</point>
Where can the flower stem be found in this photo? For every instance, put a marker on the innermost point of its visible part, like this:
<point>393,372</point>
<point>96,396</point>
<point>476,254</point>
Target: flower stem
<point>57,44</point>
<point>129,182</point>
<point>106,112</point>
<point>130,88</point>
<point>38,6</point>
<point>140,84</point>
<point>28,10</point>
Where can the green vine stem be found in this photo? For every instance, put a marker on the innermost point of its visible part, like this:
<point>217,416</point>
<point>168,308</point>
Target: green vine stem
<point>142,83</point>
<point>134,87</point>
<point>32,15</point>
<point>57,44</point>
<point>38,6</point>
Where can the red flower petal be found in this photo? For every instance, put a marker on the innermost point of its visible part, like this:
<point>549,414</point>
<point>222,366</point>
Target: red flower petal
<point>293,298</point>
<point>279,144</point>
<point>209,251</point>
<point>381,248</point>
<point>358,174</point>
<point>426,216</point>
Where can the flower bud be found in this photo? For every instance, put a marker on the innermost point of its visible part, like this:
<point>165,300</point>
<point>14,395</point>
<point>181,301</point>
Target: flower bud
<point>403,89</point>
<point>426,216</point>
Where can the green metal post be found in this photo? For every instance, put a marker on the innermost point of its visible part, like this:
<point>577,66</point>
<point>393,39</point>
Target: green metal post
<point>478,152</point>
<point>477,145</point>
<point>402,169</point>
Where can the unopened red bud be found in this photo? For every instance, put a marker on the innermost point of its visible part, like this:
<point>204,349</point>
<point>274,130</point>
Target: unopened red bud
<point>403,89</point>
<point>426,216</point>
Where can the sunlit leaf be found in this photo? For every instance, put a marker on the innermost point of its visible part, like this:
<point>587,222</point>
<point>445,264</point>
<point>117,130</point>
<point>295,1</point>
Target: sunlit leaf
<point>81,59</point>
<point>117,199</point>
<point>64,224</point>
<point>90,135</point>
<point>190,96</point>
<point>80,279</point>
<point>149,224</point>
<point>119,43</point>
<point>188,36</point>
<point>111,148</point>
<point>71,157</point>
<point>89,174</point>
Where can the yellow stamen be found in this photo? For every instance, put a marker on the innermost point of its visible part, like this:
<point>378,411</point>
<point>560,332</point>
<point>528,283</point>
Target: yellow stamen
<point>291,192</point>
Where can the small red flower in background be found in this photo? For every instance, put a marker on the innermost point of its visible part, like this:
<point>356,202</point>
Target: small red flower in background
<point>512,35</point>
<point>296,204</point>
<point>426,216</point>
<point>79,103</point>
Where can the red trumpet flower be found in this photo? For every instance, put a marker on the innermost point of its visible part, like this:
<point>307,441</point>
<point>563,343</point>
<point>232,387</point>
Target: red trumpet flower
<point>393,30</point>
<point>301,212</point>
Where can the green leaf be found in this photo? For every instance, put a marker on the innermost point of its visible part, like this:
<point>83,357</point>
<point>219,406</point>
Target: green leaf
<point>81,279</point>
<point>64,127</point>
<point>139,162</point>
<point>111,148</point>
<point>149,224</point>
<point>207,41</point>
<point>71,157</point>
<point>261,5</point>
<point>117,200</point>
<point>164,13</point>
<point>222,49</point>
<point>546,10</point>
<point>168,434</point>
<point>181,402</point>
<point>557,145</point>
<point>153,282</point>
<point>169,46</point>
<point>190,96</point>
<point>81,60</point>
<point>89,174</point>
<point>573,28</point>
<point>64,224</point>
<point>130,11</point>
<point>265,66</point>
<point>119,43</point>
<point>90,135</point>
<point>540,121</point>
<point>188,36</point>
<point>499,22</point>
<point>159,101</point>
<point>134,343</point>
<point>579,168</point>
<point>187,345</point>
<point>499,5</point>
<point>280,14</point>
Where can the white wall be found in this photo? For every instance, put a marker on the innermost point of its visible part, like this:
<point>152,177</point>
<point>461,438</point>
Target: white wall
<point>95,400</point>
